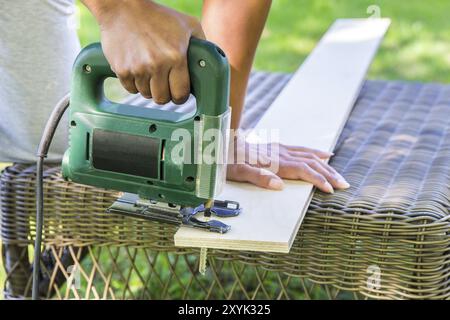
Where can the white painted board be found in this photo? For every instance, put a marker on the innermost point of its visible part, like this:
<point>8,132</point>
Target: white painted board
<point>311,111</point>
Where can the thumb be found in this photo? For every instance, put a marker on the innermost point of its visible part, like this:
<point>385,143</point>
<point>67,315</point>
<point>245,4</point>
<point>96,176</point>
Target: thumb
<point>263,178</point>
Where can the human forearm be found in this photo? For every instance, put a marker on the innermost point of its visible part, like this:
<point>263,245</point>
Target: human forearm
<point>236,26</point>
<point>146,45</point>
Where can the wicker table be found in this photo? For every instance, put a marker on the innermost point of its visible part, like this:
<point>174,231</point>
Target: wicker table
<point>385,237</point>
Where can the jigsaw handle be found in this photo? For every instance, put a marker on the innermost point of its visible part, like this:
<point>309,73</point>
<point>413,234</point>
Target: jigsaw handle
<point>208,70</point>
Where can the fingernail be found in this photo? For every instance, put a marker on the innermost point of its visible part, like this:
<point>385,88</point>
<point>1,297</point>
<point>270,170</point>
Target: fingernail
<point>276,184</point>
<point>326,155</point>
<point>328,188</point>
<point>342,183</point>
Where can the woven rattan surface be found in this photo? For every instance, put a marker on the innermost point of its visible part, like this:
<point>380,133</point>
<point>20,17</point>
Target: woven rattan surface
<point>385,237</point>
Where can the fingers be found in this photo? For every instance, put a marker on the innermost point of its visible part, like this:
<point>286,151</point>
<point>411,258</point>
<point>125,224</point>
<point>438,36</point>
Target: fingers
<point>334,178</point>
<point>142,84</point>
<point>321,154</point>
<point>341,183</point>
<point>302,171</point>
<point>307,155</point>
<point>315,171</point>
<point>320,176</point>
<point>163,77</point>
<point>159,86</point>
<point>162,81</point>
<point>295,163</point>
<point>127,81</point>
<point>310,169</point>
<point>257,176</point>
<point>320,166</point>
<point>179,83</point>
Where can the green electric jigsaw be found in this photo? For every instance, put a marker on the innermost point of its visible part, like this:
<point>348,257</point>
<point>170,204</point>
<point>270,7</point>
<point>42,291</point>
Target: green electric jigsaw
<point>170,165</point>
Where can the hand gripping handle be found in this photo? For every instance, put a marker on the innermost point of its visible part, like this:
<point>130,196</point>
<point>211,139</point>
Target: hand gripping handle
<point>208,71</point>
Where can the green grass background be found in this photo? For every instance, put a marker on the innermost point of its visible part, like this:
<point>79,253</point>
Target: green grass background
<point>416,48</point>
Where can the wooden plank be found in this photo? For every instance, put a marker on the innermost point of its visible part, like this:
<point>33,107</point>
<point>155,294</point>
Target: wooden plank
<point>310,111</point>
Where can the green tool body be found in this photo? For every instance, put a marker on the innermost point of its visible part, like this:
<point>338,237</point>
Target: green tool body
<point>170,165</point>
<point>130,148</point>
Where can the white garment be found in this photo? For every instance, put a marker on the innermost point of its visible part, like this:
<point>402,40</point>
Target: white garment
<point>38,45</point>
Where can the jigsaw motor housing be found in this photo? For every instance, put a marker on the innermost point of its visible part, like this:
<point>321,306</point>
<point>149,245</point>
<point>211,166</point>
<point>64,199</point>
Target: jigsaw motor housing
<point>158,154</point>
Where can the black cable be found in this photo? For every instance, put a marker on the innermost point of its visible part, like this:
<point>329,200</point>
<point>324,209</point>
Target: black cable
<point>44,145</point>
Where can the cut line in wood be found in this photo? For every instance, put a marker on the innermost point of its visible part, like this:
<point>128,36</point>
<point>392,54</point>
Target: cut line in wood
<point>310,111</point>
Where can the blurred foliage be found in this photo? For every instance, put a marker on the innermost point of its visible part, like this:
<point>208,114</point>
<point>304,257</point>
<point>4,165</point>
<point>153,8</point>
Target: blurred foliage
<point>161,275</point>
<point>417,46</point>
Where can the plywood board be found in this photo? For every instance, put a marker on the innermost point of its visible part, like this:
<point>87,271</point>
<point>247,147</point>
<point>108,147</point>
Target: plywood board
<point>310,111</point>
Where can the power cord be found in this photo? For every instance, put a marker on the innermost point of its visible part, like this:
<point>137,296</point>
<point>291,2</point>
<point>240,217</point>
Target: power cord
<point>44,146</point>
